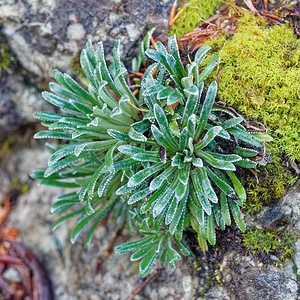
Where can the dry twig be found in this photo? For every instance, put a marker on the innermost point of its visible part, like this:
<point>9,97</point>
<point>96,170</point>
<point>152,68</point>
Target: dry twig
<point>144,284</point>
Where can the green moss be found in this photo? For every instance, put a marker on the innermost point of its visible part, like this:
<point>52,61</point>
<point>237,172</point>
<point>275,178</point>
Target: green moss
<point>75,64</point>
<point>277,243</point>
<point>274,179</point>
<point>261,78</point>
<point>6,56</point>
<point>198,11</point>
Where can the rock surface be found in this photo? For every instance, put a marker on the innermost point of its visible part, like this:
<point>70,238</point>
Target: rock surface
<point>18,102</point>
<point>246,279</point>
<point>48,34</point>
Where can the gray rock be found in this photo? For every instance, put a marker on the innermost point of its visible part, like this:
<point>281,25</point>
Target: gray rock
<point>291,207</point>
<point>246,279</point>
<point>282,213</point>
<point>48,34</point>
<point>18,102</point>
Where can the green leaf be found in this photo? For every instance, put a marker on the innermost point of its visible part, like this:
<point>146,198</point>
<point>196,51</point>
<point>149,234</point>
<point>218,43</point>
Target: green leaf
<point>236,212</point>
<point>81,226</point>
<point>198,162</point>
<point>87,67</point>
<point>209,137</point>
<point>164,92</point>
<point>174,51</point>
<point>164,125</point>
<point>180,191</point>
<point>207,106</point>
<point>196,208</point>
<point>163,200</point>
<point>225,157</point>
<point>201,54</point>
<point>97,146</point>
<point>67,150</point>
<point>123,164</point>
<point>152,200</point>
<point>183,248</point>
<point>153,90</point>
<point>224,209</point>
<point>146,157</point>
<point>81,94</point>
<point>104,184</point>
<point>104,70</point>
<point>179,228</point>
<point>263,137</point>
<point>184,136</point>
<point>173,98</point>
<point>246,163</point>
<point>45,134</point>
<point>139,195</point>
<point>141,126</point>
<point>67,217</point>
<point>203,230</point>
<point>131,246</point>
<point>210,66</point>
<point>119,135</point>
<point>245,152</point>
<point>60,184</point>
<point>232,122</point>
<point>137,136</point>
<point>160,138</point>
<point>160,179</point>
<point>172,255</point>
<point>63,163</point>
<point>179,215</point>
<point>47,116</point>
<point>192,103</point>
<point>142,175</point>
<point>171,211</point>
<point>217,163</point>
<point>102,213</point>
<point>147,261</point>
<point>238,186</point>
<point>211,229</point>
<point>245,136</point>
<point>131,150</point>
<point>60,102</point>
<point>183,174</point>
<point>206,186</point>
<point>143,251</point>
<point>200,194</point>
<point>109,157</point>
<point>226,188</point>
<point>62,205</point>
<point>191,126</point>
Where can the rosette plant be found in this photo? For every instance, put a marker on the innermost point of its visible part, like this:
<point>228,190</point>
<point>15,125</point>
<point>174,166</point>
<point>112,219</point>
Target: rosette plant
<point>162,160</point>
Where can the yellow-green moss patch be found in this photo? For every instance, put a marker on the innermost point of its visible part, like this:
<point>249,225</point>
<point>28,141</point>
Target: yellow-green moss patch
<point>198,11</point>
<point>274,179</point>
<point>6,57</point>
<point>261,77</point>
<point>276,243</point>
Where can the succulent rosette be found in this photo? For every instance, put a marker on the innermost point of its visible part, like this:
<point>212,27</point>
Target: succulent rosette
<point>162,160</point>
